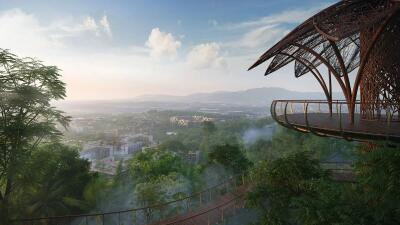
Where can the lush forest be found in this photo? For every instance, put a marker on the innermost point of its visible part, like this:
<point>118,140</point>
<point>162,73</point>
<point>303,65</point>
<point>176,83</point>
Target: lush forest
<point>41,176</point>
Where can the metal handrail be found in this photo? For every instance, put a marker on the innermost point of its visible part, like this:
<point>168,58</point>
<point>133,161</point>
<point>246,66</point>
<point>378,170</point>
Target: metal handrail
<point>155,206</point>
<point>343,129</point>
<point>326,102</point>
<point>225,203</point>
<point>338,103</point>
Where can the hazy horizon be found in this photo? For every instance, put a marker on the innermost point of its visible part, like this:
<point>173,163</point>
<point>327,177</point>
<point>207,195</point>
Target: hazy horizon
<point>127,98</point>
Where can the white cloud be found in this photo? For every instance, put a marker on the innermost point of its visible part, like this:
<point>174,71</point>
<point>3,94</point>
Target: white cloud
<point>260,36</point>
<point>106,25</point>
<point>162,43</point>
<point>21,32</point>
<point>206,56</point>
<point>288,16</point>
<point>266,31</point>
<point>88,25</point>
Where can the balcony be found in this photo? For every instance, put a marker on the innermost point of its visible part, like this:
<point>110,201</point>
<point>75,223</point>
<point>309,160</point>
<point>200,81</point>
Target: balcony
<point>332,119</point>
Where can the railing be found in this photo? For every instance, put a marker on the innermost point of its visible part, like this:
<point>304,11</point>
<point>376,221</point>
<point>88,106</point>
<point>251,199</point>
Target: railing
<point>326,118</point>
<point>150,214</point>
<point>337,166</point>
<point>168,213</point>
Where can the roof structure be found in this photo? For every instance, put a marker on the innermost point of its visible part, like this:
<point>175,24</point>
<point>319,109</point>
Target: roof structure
<point>349,35</point>
<point>341,24</point>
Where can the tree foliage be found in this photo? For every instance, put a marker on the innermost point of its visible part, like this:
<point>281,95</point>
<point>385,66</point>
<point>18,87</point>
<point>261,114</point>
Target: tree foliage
<point>154,163</point>
<point>55,179</point>
<point>26,89</point>
<point>231,157</point>
<point>295,190</point>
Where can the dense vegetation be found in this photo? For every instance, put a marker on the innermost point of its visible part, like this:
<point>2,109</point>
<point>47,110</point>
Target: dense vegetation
<point>296,190</point>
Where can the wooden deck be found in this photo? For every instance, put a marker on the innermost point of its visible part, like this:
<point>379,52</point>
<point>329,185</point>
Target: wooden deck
<point>340,126</point>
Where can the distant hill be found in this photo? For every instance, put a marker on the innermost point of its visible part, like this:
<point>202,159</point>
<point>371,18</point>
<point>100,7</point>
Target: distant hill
<point>250,100</point>
<point>256,96</point>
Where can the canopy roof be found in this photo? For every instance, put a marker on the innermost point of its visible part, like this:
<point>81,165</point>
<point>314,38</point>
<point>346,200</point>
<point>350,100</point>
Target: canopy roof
<point>310,43</point>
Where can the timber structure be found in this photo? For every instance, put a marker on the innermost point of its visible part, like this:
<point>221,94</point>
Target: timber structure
<point>355,43</point>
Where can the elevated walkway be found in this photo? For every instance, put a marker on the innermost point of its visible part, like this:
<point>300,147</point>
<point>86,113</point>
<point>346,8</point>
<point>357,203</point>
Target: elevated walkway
<point>332,119</point>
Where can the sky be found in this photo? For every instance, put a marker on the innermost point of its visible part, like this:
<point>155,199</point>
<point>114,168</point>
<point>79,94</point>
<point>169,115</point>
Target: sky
<point>122,49</point>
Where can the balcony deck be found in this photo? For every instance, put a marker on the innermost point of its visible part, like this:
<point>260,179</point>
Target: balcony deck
<point>337,124</point>
<point>340,126</point>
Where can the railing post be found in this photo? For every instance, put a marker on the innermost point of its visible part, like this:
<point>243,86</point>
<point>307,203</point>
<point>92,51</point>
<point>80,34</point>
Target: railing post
<point>291,108</point>
<point>200,198</point>
<point>340,118</point>
<point>119,218</point>
<point>388,118</point>
<point>135,217</point>
<point>222,214</point>
<point>306,116</point>
<point>285,113</point>
<point>337,106</point>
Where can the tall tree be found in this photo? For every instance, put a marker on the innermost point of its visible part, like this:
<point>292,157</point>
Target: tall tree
<point>56,178</point>
<point>231,157</point>
<point>26,89</point>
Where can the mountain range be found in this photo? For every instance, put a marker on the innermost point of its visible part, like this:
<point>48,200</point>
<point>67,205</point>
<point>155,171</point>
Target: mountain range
<point>251,99</point>
<point>256,96</point>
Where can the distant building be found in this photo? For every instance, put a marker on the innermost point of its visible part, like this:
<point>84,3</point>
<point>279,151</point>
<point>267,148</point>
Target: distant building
<point>96,153</point>
<point>185,121</point>
<point>193,157</point>
<point>134,147</point>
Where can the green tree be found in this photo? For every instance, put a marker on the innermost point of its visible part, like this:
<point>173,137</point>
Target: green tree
<point>173,145</point>
<point>56,178</point>
<point>149,193</point>
<point>278,185</point>
<point>231,157</point>
<point>119,174</point>
<point>209,127</point>
<point>26,89</point>
<point>378,186</point>
<point>153,163</point>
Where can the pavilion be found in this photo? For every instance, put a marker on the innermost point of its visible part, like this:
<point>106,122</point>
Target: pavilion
<point>355,43</point>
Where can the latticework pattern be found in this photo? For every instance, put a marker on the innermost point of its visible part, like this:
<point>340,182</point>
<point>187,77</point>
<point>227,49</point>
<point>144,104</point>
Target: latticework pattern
<point>380,83</point>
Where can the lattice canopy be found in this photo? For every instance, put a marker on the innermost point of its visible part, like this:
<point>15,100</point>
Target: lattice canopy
<point>341,24</point>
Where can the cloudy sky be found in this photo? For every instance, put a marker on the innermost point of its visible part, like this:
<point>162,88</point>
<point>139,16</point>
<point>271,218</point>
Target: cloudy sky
<point>121,49</point>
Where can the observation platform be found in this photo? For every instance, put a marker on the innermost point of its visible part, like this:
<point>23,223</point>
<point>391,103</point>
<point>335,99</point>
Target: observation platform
<point>318,117</point>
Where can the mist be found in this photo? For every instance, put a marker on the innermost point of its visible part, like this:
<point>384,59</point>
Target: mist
<point>251,135</point>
